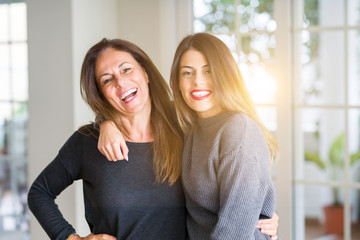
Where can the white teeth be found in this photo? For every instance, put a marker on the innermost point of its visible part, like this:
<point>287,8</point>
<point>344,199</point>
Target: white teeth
<point>128,92</point>
<point>200,94</point>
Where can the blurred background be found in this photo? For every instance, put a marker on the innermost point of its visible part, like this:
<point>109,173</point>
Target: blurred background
<point>300,60</point>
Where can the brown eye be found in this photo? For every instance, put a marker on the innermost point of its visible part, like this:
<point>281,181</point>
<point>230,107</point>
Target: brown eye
<point>106,81</point>
<point>207,71</point>
<point>126,69</point>
<point>187,73</point>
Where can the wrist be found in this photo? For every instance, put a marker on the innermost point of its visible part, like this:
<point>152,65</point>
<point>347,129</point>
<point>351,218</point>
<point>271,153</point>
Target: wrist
<point>74,236</point>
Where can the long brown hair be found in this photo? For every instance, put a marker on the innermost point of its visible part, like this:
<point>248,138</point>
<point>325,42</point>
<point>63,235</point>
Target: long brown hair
<point>230,88</point>
<point>168,140</point>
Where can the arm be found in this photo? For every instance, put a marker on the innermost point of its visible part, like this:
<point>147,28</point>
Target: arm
<point>57,176</point>
<point>242,195</point>
<point>41,198</point>
<point>111,142</point>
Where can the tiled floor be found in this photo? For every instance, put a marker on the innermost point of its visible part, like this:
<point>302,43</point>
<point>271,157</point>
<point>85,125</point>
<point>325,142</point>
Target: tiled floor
<point>314,231</point>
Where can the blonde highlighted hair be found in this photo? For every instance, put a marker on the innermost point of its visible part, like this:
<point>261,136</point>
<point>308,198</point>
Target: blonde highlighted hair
<point>230,88</point>
<point>168,138</point>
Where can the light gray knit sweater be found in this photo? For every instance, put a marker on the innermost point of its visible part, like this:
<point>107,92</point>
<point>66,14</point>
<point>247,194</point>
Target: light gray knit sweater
<point>226,178</point>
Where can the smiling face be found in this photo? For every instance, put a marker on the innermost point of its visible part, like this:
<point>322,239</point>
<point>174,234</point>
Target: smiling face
<point>196,84</point>
<point>123,81</point>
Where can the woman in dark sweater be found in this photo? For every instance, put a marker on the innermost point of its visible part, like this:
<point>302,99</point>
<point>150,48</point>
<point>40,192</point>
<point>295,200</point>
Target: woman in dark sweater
<point>141,198</point>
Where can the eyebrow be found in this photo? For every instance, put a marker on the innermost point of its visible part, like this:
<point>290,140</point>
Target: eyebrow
<point>120,65</point>
<point>207,65</point>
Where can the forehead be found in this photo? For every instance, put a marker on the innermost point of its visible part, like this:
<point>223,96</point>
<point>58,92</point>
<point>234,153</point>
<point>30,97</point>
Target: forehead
<point>110,58</point>
<point>193,57</point>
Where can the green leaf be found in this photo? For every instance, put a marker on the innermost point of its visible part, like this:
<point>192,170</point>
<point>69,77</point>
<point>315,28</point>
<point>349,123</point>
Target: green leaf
<point>354,158</point>
<point>315,158</point>
<point>336,152</point>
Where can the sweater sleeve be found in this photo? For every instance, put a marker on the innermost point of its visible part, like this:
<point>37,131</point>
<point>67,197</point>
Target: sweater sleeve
<point>246,190</point>
<point>58,175</point>
<point>242,195</point>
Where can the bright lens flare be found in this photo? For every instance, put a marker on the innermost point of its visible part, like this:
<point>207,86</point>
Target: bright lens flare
<point>260,83</point>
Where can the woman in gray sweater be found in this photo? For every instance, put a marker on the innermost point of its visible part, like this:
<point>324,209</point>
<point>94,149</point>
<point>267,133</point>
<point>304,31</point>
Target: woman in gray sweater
<point>227,150</point>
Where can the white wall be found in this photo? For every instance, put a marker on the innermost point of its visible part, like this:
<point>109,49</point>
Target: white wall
<point>50,90</point>
<point>157,26</point>
<point>59,34</point>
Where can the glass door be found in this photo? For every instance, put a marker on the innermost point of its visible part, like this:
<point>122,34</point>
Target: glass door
<point>326,89</point>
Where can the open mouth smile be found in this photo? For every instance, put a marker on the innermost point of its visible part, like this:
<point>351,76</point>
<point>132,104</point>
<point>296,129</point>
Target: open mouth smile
<point>200,94</point>
<point>128,95</point>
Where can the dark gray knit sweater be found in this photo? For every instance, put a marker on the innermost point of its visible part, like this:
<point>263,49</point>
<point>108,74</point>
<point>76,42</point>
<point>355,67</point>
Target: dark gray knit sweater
<point>121,198</point>
<point>226,178</point>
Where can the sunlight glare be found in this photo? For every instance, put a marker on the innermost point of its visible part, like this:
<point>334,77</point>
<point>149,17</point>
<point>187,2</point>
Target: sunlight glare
<point>261,84</point>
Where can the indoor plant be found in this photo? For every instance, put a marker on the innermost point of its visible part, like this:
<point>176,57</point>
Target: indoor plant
<point>334,167</point>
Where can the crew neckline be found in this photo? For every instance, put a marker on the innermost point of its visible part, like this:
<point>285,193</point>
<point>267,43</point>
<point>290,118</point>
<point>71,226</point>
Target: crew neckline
<point>207,122</point>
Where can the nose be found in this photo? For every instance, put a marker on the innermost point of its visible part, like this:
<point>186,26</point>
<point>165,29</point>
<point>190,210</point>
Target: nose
<point>200,79</point>
<point>120,80</point>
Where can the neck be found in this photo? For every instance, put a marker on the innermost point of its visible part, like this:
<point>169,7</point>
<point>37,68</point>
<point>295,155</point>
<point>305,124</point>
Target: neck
<point>138,127</point>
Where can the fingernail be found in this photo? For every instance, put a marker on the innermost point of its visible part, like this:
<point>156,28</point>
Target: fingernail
<point>257,226</point>
<point>126,157</point>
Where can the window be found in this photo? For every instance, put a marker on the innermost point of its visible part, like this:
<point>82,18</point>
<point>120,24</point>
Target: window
<point>13,120</point>
<point>327,117</point>
<point>325,97</point>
